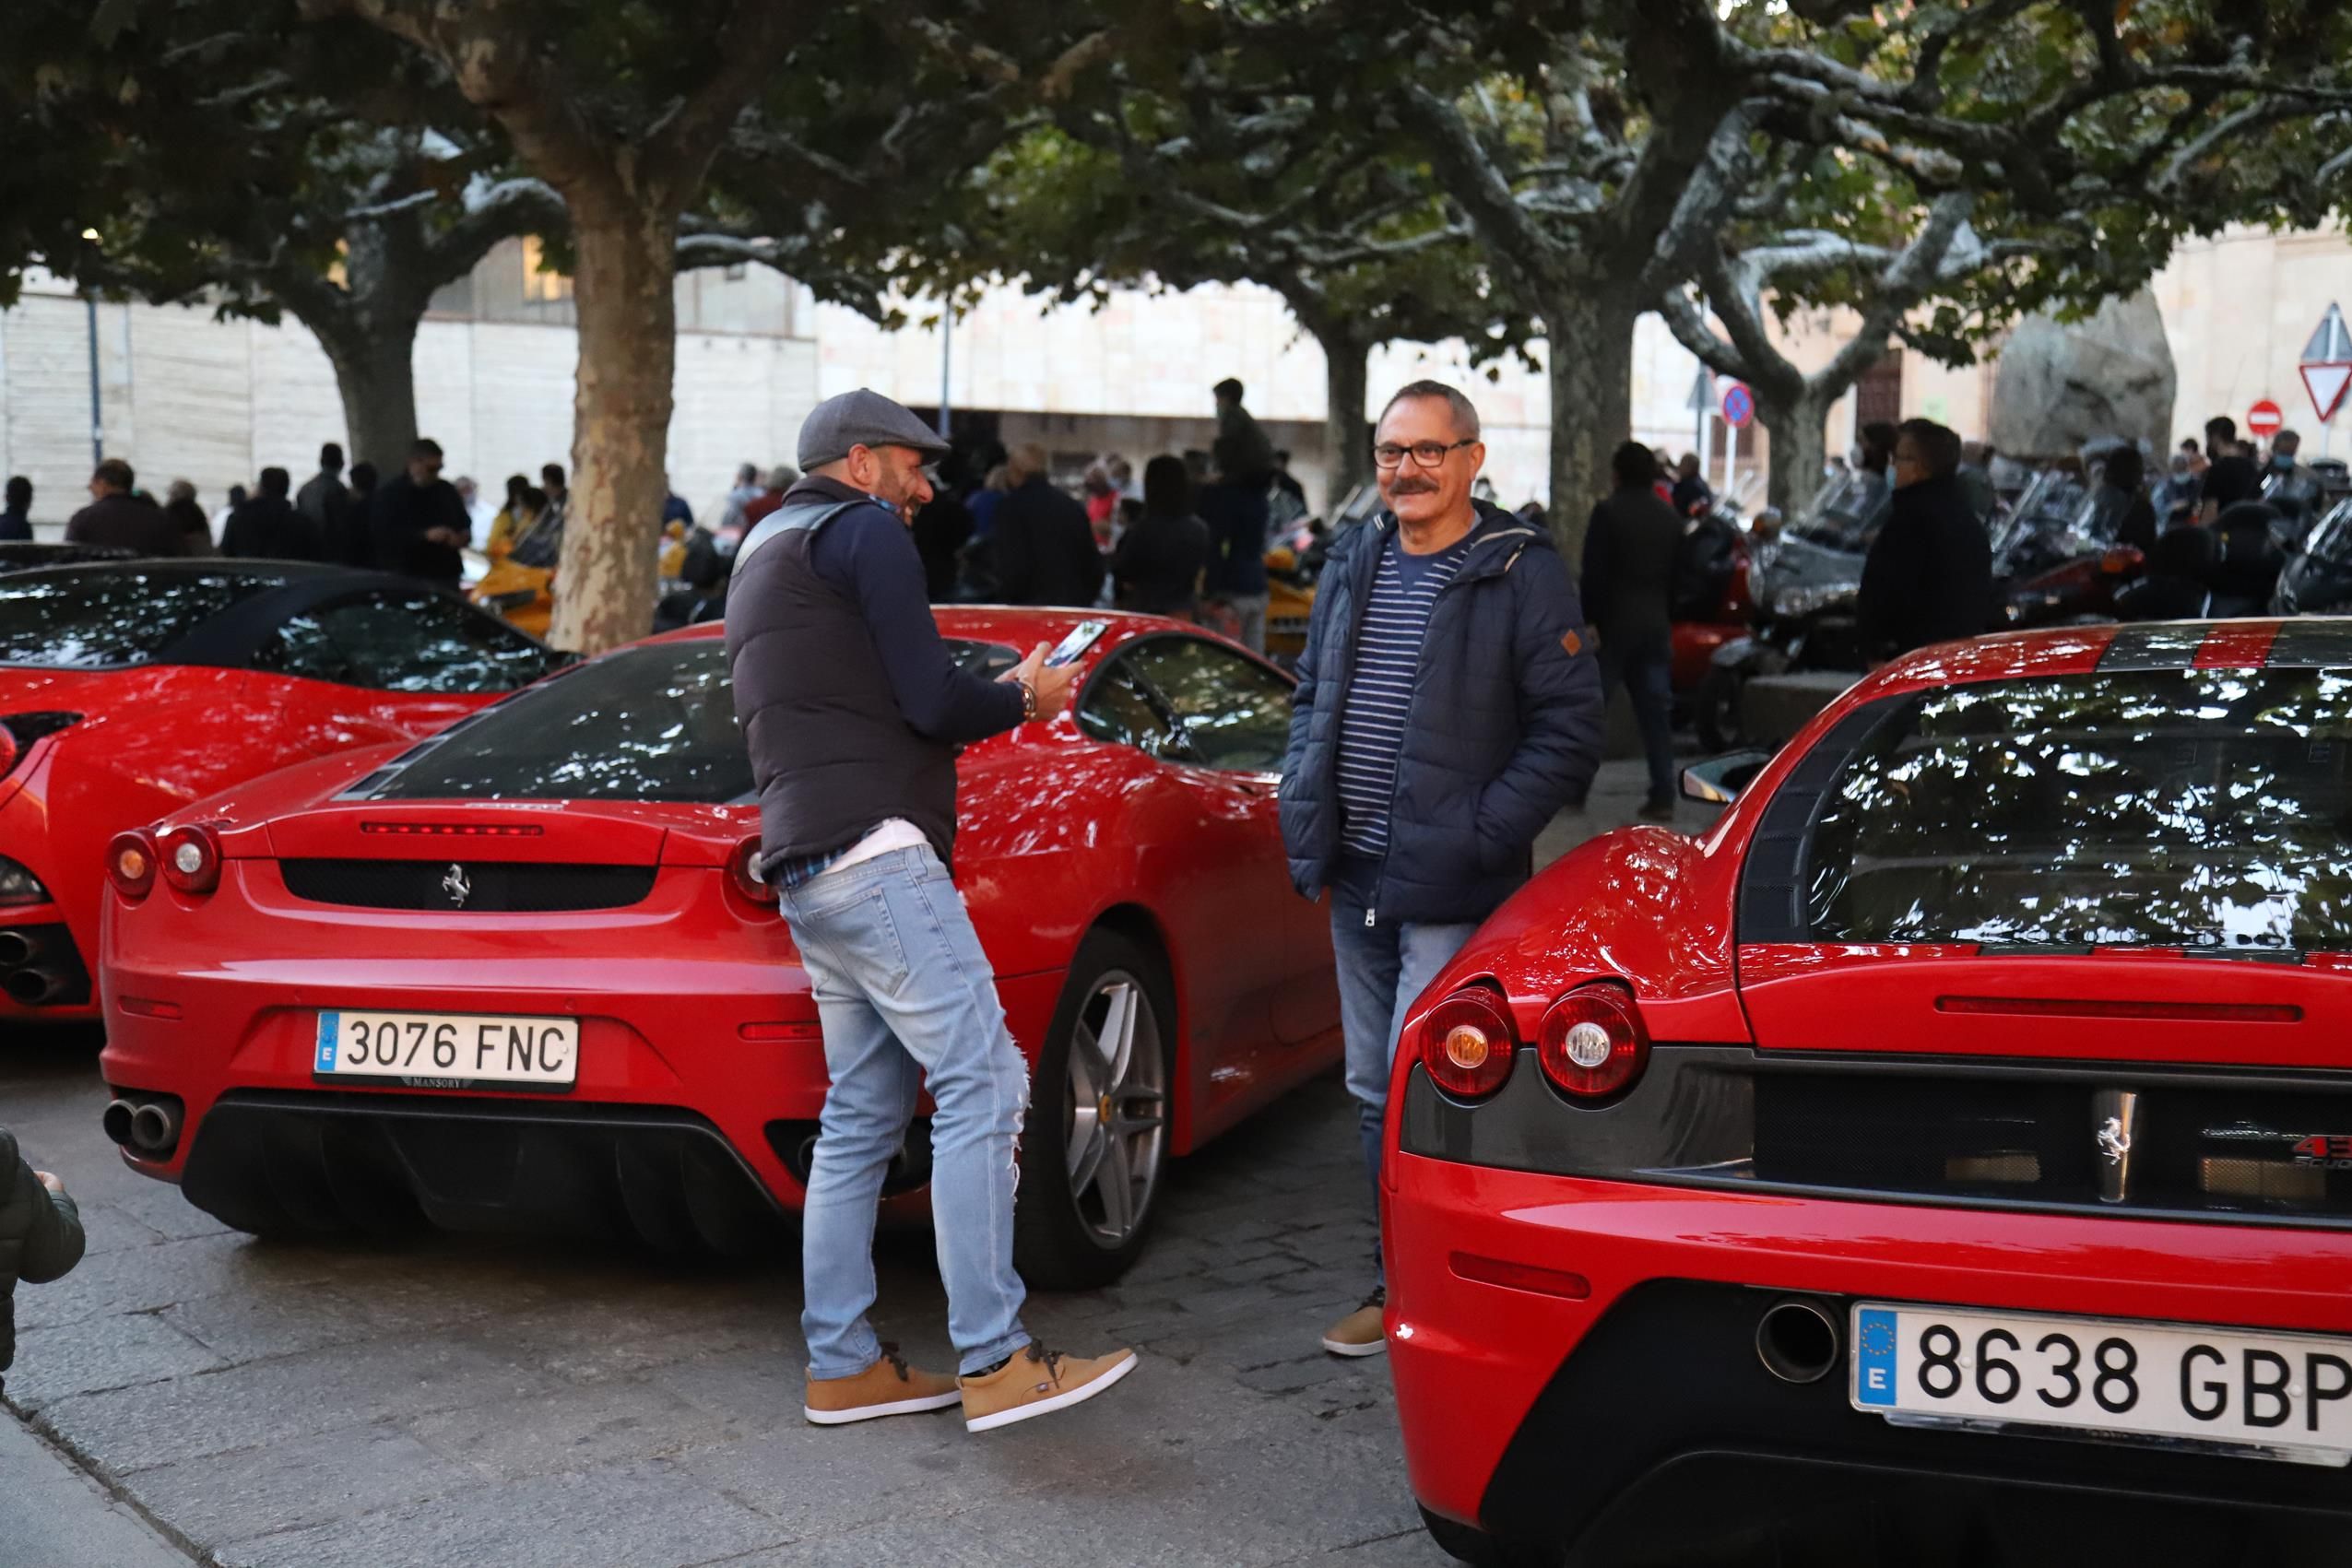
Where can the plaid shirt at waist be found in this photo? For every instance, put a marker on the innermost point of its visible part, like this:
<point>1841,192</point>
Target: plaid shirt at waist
<point>801,869</point>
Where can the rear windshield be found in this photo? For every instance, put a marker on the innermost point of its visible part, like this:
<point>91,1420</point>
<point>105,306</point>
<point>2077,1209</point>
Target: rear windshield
<point>91,620</point>
<point>2198,809</point>
<point>650,724</point>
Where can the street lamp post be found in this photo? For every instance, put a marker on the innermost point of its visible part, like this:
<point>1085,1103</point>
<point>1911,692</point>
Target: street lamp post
<point>97,419</point>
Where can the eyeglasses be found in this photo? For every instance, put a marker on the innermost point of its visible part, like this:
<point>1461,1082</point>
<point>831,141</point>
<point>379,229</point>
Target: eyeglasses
<point>1425,453</point>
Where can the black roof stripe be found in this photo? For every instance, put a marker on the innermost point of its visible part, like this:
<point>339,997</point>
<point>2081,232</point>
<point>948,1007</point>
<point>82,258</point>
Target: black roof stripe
<point>2159,645</point>
<point>2312,643</point>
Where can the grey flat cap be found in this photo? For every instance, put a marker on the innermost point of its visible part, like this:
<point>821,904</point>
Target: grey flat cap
<point>862,418</point>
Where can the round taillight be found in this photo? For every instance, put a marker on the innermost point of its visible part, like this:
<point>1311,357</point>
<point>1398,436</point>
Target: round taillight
<point>743,871</point>
<point>190,858</point>
<point>131,862</point>
<point>1592,1043</point>
<point>1467,1043</point>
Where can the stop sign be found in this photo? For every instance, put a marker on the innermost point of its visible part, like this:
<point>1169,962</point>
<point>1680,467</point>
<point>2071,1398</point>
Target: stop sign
<point>2264,419</point>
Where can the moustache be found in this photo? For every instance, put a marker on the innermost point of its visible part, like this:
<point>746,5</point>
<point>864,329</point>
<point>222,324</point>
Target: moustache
<point>1412,487</point>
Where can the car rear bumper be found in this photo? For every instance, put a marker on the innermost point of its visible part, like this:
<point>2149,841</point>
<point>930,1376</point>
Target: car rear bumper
<point>1629,1420</point>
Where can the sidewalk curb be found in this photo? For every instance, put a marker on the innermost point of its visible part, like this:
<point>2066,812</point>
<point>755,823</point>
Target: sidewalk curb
<point>91,1471</point>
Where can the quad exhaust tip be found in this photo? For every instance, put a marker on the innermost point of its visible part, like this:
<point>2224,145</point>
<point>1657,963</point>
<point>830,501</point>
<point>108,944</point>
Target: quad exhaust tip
<point>30,987</point>
<point>1797,1340</point>
<point>116,1120</point>
<point>15,948</point>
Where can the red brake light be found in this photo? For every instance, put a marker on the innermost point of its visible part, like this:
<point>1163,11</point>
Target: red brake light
<point>743,871</point>
<point>190,858</point>
<point>1467,1043</point>
<point>1592,1043</point>
<point>131,862</point>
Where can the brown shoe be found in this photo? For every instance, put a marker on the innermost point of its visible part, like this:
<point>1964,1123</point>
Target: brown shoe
<point>1361,1332</point>
<point>889,1387</point>
<point>1037,1382</point>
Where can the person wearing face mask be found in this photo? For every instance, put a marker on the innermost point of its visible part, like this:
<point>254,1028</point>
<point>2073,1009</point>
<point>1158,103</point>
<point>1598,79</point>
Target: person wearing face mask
<point>1928,575</point>
<point>852,710</point>
<point>1447,707</point>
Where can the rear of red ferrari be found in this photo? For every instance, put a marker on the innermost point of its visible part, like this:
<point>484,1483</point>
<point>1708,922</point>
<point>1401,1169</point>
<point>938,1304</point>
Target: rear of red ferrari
<point>1948,1160</point>
<point>519,975</point>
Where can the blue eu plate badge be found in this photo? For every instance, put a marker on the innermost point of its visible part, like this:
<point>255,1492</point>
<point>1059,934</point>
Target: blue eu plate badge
<point>1875,1351</point>
<point>327,1028</point>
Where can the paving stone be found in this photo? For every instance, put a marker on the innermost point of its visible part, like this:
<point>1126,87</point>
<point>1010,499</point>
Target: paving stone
<point>573,1427</point>
<point>119,1351</point>
<point>309,1480</point>
<point>637,1515</point>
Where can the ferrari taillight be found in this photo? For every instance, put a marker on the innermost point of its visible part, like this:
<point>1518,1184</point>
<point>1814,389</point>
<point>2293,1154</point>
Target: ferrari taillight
<point>189,857</point>
<point>1467,1042</point>
<point>1592,1043</point>
<point>131,862</point>
<point>743,873</point>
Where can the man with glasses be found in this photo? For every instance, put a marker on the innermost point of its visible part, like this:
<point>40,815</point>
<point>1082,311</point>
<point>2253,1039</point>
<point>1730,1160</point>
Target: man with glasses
<point>1447,707</point>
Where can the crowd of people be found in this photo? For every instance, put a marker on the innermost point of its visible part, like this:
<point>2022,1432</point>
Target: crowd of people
<point>414,523</point>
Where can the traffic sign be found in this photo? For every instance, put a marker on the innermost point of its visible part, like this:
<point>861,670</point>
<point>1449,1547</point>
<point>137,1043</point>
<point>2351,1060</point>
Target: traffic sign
<point>2328,364</point>
<point>2264,419</point>
<point>1739,406</point>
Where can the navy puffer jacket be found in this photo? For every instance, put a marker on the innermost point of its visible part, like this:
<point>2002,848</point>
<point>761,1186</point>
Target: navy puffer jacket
<point>1505,727</point>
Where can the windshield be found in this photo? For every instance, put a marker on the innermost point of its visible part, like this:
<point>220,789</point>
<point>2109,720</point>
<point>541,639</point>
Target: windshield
<point>105,617</point>
<point>2331,540</point>
<point>656,722</point>
<point>2197,808</point>
<point>2052,497</point>
<point>1843,509</point>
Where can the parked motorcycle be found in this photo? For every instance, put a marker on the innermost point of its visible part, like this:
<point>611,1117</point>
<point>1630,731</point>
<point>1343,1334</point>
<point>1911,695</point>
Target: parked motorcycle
<point>2059,557</point>
<point>2317,580</point>
<point>1804,586</point>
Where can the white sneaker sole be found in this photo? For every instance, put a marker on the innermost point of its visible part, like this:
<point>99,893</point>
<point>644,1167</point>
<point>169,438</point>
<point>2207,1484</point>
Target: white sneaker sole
<point>1340,1348</point>
<point>875,1412</point>
<point>1078,1396</point>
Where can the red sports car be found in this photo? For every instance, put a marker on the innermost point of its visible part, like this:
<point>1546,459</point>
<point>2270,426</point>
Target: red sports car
<point>1946,1158</point>
<point>522,973</point>
<point>129,690</point>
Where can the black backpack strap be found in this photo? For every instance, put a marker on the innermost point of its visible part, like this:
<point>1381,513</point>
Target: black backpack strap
<point>786,519</point>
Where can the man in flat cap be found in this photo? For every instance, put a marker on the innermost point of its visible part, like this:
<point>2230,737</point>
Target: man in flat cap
<point>853,711</point>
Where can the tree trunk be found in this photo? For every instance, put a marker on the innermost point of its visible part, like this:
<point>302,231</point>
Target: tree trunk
<point>1799,446</point>
<point>1588,356</point>
<point>622,290</point>
<point>1346,437</point>
<point>375,372</point>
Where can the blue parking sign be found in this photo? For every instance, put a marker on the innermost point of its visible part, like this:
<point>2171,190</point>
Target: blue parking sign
<point>1875,1351</point>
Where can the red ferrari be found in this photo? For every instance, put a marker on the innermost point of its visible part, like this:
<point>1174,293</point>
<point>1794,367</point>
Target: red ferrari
<point>522,973</point>
<point>129,690</point>
<point>1946,1158</point>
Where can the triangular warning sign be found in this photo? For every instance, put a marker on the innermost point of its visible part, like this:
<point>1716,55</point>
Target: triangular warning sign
<point>2331,344</point>
<point>2326,384</point>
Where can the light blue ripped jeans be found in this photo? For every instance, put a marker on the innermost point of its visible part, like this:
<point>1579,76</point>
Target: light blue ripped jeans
<point>905,993</point>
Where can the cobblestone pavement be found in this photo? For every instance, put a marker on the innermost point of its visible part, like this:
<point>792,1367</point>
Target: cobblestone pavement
<point>502,1405</point>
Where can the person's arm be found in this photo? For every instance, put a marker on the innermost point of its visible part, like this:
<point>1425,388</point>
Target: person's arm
<point>53,1239</point>
<point>390,538</point>
<point>1561,710</point>
<point>1090,566</point>
<point>75,533</point>
<point>1593,585</point>
<point>1015,555</point>
<point>1890,572</point>
<point>870,553</point>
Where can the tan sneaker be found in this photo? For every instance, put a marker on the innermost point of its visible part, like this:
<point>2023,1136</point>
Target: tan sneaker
<point>889,1387</point>
<point>1037,1382</point>
<point>1361,1332</point>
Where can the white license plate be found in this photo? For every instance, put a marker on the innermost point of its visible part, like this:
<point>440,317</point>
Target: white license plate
<point>449,1050</point>
<point>2281,1396</point>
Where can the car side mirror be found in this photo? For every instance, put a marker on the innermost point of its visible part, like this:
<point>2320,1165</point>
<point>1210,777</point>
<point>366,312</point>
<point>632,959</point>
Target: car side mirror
<point>1717,781</point>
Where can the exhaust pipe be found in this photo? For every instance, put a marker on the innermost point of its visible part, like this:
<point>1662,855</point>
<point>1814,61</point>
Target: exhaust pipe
<point>116,1121</point>
<point>30,987</point>
<point>15,948</point>
<point>155,1126</point>
<point>1797,1341</point>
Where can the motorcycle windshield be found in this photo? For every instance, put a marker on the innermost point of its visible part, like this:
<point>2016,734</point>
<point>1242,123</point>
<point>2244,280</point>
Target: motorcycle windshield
<point>2331,539</point>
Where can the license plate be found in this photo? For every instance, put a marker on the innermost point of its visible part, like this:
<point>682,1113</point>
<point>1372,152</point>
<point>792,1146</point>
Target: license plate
<point>449,1050</point>
<point>2278,1395</point>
